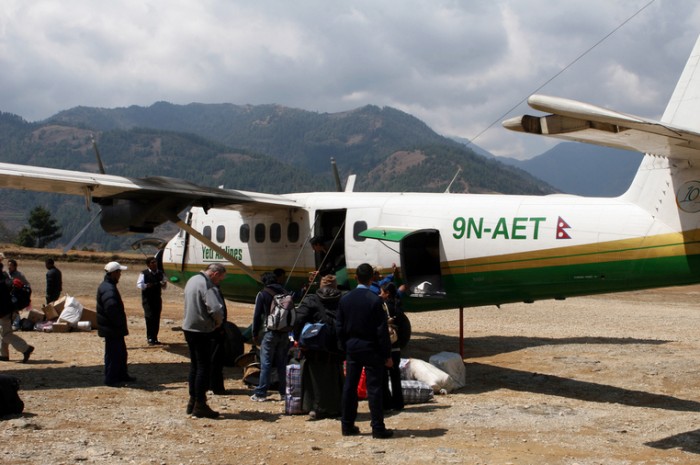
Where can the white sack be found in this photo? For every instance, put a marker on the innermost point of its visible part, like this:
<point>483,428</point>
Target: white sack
<point>72,312</point>
<point>431,375</point>
<point>452,364</point>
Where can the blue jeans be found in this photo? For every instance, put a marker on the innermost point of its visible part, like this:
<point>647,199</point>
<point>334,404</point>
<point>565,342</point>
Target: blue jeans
<point>274,349</point>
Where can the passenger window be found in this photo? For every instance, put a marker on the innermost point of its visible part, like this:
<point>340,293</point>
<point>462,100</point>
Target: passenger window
<point>293,232</point>
<point>206,232</point>
<point>260,232</point>
<point>275,232</point>
<point>244,233</point>
<point>357,228</point>
<point>220,233</point>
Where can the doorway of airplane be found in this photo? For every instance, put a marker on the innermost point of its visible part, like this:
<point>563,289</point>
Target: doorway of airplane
<point>329,228</point>
<point>420,263</point>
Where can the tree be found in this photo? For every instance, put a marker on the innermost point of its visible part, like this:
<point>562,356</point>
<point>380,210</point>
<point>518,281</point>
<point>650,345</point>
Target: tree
<point>42,229</point>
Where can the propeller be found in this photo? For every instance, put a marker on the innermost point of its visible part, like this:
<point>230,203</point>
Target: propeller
<point>101,167</point>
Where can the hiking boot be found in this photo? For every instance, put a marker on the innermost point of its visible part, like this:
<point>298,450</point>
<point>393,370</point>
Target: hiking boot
<point>202,410</point>
<point>382,433</point>
<point>190,406</point>
<point>27,353</point>
<point>350,431</point>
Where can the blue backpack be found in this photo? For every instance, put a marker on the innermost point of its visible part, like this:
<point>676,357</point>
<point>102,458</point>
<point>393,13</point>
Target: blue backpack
<point>315,336</point>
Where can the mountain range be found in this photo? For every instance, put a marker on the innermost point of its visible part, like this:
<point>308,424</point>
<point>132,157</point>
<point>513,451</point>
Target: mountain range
<point>266,148</point>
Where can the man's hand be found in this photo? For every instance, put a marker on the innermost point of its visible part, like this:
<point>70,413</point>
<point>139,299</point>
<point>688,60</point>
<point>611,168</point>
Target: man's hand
<point>388,362</point>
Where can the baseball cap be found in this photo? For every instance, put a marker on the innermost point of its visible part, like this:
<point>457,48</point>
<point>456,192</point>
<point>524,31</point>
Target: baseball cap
<point>114,266</point>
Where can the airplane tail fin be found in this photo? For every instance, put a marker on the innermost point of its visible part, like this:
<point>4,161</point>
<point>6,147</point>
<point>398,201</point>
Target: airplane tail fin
<point>661,182</point>
<point>683,108</point>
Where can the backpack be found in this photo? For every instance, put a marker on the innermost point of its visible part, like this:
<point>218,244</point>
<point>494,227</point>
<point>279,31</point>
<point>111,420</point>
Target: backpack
<point>315,336</point>
<point>282,313</point>
<point>21,296</point>
<point>10,403</point>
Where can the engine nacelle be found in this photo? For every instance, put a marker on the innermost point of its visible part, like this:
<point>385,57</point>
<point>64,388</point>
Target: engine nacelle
<point>126,216</point>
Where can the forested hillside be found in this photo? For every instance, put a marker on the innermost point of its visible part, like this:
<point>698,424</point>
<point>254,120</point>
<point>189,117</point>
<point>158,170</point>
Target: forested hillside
<point>265,148</point>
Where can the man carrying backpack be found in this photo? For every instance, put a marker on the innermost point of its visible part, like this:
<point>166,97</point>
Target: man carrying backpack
<point>274,347</point>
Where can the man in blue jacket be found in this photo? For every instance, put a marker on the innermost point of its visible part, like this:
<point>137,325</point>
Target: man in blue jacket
<point>361,325</point>
<point>111,323</point>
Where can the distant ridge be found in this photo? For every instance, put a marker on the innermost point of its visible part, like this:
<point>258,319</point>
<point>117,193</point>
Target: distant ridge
<point>583,169</point>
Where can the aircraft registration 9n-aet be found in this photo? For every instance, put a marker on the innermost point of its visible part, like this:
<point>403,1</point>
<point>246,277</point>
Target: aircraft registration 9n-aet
<point>453,250</point>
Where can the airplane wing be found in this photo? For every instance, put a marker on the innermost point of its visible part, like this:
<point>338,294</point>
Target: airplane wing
<point>103,186</point>
<point>582,122</point>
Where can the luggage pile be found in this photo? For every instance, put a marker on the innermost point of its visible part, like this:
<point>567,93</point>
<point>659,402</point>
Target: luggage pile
<point>61,316</point>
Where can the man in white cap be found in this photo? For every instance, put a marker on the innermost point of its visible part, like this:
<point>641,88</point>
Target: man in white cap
<point>111,322</point>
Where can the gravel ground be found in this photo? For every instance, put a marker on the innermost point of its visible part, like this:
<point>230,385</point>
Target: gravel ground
<point>596,380</point>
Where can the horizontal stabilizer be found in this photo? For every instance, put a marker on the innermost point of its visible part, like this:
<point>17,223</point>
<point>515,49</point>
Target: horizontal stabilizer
<point>581,122</point>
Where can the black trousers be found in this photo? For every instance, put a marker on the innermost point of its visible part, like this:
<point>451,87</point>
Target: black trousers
<point>374,373</point>
<point>393,399</point>
<point>200,364</point>
<point>115,360</point>
<point>151,311</point>
<point>218,357</point>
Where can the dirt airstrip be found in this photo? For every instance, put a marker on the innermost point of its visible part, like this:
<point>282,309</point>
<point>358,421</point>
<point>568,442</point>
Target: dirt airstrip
<point>595,380</point>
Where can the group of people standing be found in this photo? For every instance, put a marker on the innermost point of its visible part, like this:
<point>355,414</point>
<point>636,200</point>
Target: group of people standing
<point>358,340</point>
<point>13,281</point>
<point>357,321</point>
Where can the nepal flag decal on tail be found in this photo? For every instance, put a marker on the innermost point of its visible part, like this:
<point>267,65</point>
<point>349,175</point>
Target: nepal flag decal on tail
<point>562,226</point>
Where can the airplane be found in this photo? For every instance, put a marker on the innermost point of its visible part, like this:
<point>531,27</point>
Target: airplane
<point>452,250</point>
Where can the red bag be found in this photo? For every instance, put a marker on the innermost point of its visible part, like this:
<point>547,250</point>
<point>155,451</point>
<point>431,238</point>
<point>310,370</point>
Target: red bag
<point>362,386</point>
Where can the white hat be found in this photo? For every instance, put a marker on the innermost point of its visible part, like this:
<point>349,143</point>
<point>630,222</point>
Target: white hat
<point>114,266</point>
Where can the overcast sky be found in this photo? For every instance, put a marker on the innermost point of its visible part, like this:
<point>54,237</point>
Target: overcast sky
<point>456,65</point>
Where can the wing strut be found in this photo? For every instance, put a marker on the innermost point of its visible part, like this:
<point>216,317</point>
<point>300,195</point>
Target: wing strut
<point>234,261</point>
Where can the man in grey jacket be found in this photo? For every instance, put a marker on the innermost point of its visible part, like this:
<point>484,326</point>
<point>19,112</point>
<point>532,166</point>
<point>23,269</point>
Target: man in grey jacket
<point>204,313</point>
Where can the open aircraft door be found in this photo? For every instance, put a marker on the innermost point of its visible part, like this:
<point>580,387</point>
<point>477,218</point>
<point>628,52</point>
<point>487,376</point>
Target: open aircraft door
<point>420,258</point>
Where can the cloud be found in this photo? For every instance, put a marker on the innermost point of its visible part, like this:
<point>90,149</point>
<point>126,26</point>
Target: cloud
<point>458,66</point>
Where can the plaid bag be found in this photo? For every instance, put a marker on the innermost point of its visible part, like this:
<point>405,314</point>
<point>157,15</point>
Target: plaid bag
<point>416,392</point>
<point>292,399</point>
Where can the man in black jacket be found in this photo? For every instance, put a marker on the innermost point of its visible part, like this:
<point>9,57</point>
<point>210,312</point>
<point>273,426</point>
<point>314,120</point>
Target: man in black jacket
<point>361,325</point>
<point>54,281</point>
<point>112,326</point>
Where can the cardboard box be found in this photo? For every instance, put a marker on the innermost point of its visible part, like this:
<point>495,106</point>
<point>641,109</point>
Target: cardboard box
<point>58,304</point>
<point>60,328</point>
<point>35,316</point>
<point>91,316</point>
<point>50,312</point>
